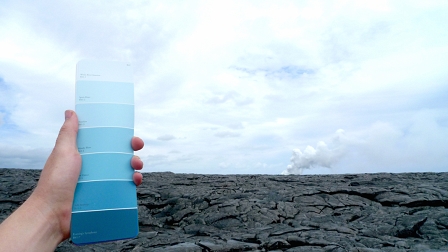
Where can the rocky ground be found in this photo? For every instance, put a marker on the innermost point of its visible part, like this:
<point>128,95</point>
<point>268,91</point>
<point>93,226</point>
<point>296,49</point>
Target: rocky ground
<point>192,212</point>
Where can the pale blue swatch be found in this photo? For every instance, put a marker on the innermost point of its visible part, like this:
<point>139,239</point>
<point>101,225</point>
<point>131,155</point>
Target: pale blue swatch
<point>101,140</point>
<point>105,166</point>
<point>104,92</point>
<point>105,115</point>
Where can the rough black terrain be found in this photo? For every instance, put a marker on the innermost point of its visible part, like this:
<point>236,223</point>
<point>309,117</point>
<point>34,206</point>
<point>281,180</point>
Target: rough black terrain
<point>192,212</point>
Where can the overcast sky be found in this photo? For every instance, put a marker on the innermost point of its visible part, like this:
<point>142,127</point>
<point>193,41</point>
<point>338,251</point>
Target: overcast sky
<point>239,87</point>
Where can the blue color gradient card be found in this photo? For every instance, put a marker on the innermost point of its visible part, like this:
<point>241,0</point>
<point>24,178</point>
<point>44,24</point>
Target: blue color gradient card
<point>105,203</point>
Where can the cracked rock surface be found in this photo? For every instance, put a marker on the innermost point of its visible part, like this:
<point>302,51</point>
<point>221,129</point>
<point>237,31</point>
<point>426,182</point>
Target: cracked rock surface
<point>193,212</point>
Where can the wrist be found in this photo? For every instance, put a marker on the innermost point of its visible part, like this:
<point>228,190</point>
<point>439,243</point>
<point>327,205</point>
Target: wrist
<point>32,227</point>
<point>47,219</point>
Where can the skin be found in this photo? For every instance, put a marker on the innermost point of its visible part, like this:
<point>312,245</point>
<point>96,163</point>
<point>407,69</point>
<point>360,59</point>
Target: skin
<point>43,220</point>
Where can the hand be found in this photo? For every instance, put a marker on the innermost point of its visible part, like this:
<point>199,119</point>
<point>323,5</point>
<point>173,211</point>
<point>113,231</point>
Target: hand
<point>43,220</point>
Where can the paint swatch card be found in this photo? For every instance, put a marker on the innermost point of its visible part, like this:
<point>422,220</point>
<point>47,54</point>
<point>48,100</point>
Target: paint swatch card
<point>105,202</point>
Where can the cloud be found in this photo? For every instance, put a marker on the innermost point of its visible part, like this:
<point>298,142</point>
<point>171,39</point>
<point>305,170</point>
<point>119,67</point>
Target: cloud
<point>166,137</point>
<point>224,134</point>
<point>237,125</point>
<point>22,157</point>
<point>7,101</point>
<point>224,165</point>
<point>418,144</point>
<point>222,98</point>
<point>267,77</point>
<point>230,96</point>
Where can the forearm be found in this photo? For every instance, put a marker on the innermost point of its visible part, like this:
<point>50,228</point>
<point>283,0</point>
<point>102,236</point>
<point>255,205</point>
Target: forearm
<point>30,228</point>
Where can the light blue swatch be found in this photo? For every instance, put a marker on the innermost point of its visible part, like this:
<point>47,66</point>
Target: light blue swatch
<point>104,195</point>
<point>104,92</point>
<point>106,166</point>
<point>105,115</point>
<point>101,140</point>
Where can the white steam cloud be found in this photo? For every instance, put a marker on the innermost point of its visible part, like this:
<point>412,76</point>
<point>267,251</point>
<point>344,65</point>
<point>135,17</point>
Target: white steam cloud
<point>312,157</point>
<point>416,145</point>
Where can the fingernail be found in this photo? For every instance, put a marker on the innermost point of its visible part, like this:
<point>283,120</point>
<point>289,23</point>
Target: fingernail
<point>68,114</point>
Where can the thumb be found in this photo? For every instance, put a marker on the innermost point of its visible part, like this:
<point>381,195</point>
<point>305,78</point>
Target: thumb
<point>66,140</point>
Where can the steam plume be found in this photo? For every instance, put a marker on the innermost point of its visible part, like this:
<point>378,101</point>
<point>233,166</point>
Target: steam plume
<point>310,157</point>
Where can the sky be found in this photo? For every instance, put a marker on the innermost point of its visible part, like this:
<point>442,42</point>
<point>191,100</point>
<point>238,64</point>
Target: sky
<point>239,87</point>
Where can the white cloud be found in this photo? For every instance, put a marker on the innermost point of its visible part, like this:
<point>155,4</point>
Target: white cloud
<point>240,83</point>
<point>415,144</point>
<point>167,137</point>
<point>22,157</point>
<point>227,134</point>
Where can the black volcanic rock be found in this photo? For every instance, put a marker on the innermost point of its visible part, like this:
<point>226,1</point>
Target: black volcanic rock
<point>192,212</point>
